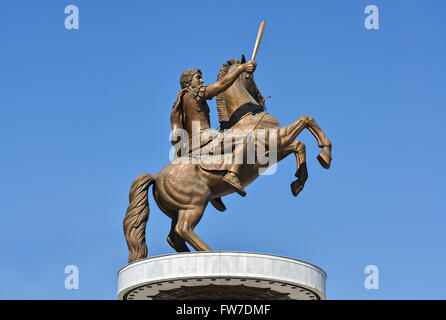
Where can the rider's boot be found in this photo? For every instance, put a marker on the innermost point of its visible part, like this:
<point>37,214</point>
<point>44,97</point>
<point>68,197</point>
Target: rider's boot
<point>232,179</point>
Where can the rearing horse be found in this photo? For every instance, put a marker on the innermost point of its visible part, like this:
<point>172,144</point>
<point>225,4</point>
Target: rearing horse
<point>182,190</point>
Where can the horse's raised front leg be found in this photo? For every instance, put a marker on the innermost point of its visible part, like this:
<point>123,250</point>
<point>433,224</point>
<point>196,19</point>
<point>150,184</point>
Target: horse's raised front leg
<point>298,148</point>
<point>289,133</point>
<point>324,156</point>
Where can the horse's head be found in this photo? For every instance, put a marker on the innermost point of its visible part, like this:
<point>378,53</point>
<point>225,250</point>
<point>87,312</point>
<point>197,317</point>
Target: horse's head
<point>246,80</point>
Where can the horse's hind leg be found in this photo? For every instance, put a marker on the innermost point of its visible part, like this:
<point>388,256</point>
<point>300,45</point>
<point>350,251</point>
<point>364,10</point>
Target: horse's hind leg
<point>187,220</point>
<point>175,241</point>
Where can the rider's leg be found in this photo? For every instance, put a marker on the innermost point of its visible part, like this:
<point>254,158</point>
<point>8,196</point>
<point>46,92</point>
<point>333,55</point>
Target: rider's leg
<point>232,177</point>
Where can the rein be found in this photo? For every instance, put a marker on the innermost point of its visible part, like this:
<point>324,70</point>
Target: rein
<point>244,110</point>
<point>239,113</point>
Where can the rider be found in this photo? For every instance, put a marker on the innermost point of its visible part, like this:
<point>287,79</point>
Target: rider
<point>191,106</point>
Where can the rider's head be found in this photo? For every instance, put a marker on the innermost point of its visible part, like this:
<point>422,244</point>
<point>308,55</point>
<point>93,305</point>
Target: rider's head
<point>191,78</point>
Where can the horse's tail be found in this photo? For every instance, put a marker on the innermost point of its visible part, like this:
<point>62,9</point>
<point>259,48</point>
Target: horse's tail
<point>136,217</point>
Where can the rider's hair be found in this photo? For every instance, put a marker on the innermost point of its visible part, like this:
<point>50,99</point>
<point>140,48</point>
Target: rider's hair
<point>186,77</point>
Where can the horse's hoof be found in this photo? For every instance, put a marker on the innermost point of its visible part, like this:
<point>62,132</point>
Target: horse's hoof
<point>302,172</point>
<point>218,204</point>
<point>324,158</point>
<point>170,242</point>
<point>296,187</point>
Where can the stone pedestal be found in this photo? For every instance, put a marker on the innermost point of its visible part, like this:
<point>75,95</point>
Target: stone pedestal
<point>218,275</point>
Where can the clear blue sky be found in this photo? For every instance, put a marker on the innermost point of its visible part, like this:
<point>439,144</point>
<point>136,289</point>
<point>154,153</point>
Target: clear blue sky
<point>83,112</point>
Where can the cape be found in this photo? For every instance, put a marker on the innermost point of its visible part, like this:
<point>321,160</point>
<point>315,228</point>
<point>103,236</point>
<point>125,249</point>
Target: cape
<point>177,117</point>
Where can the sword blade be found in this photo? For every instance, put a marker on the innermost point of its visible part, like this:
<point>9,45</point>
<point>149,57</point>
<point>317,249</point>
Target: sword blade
<point>259,38</point>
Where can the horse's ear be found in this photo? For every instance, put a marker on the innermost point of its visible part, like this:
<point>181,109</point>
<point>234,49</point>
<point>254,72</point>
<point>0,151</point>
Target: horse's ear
<point>243,58</point>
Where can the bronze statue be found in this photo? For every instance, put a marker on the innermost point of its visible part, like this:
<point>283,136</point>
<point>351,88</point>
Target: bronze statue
<point>183,188</point>
<point>191,106</point>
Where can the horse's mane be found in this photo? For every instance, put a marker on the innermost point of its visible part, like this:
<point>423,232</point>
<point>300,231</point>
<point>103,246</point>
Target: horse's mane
<point>221,102</point>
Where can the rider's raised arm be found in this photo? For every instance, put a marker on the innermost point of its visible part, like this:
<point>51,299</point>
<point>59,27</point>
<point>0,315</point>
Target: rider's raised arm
<point>224,83</point>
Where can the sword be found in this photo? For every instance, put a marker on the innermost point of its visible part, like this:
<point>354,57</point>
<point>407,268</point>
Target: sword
<point>259,37</point>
